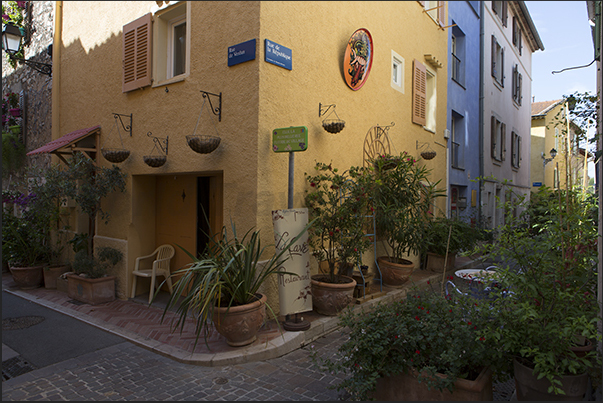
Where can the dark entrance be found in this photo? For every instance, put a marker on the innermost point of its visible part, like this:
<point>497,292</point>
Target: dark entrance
<point>203,213</point>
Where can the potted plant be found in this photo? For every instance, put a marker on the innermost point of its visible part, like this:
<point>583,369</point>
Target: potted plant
<point>91,284</point>
<point>25,237</point>
<point>447,236</point>
<point>13,153</point>
<point>221,289</point>
<point>402,198</point>
<point>425,347</point>
<point>339,204</point>
<point>548,262</point>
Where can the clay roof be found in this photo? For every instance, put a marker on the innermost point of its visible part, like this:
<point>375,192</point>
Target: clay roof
<point>64,141</point>
<point>542,108</point>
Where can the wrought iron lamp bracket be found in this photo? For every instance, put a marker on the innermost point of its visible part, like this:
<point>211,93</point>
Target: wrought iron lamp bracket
<point>161,143</point>
<point>382,130</point>
<point>127,128</point>
<point>215,110</point>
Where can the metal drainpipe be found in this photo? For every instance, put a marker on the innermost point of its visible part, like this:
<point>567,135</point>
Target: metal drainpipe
<point>481,114</point>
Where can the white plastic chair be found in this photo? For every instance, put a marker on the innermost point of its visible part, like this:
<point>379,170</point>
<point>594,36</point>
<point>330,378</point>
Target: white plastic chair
<point>161,267</point>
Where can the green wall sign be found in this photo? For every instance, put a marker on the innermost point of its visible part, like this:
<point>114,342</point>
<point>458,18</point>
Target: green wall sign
<point>290,139</point>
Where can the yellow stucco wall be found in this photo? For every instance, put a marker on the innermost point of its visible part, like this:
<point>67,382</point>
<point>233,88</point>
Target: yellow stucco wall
<point>257,97</point>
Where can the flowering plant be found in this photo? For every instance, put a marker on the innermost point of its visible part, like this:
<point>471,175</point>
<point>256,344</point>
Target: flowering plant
<point>424,334</point>
<point>463,236</point>
<point>547,259</point>
<point>340,203</point>
<point>403,197</point>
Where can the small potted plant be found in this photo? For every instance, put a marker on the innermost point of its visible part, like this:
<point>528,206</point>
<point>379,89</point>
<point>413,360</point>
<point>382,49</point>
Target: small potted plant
<point>425,347</point>
<point>221,289</point>
<point>402,198</point>
<point>339,204</point>
<point>91,282</point>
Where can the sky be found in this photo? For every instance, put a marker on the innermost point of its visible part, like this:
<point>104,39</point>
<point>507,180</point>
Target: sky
<point>566,35</point>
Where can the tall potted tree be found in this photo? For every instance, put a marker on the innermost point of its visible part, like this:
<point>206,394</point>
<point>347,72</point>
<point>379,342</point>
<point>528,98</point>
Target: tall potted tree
<point>403,198</point>
<point>339,204</point>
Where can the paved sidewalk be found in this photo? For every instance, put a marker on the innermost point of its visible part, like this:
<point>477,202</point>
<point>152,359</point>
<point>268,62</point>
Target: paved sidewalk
<point>140,324</point>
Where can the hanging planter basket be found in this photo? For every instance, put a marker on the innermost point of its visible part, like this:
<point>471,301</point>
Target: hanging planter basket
<point>427,155</point>
<point>115,155</point>
<point>203,144</point>
<point>333,125</point>
<point>154,161</point>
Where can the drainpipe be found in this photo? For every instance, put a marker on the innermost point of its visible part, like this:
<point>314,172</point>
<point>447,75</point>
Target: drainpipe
<point>481,114</point>
<point>56,68</point>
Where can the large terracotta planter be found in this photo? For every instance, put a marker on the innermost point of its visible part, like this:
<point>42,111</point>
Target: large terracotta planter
<point>529,387</point>
<point>436,262</point>
<point>52,273</point>
<point>28,278</point>
<point>330,298</point>
<point>395,272</point>
<point>91,291</point>
<point>406,387</point>
<point>240,324</point>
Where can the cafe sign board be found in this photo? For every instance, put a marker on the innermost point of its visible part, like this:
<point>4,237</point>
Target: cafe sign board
<point>290,139</point>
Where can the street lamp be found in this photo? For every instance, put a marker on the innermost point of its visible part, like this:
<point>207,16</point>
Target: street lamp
<point>545,161</point>
<point>11,43</point>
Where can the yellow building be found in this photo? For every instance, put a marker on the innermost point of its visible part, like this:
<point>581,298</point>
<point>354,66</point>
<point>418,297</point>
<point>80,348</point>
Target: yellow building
<point>263,66</point>
<point>552,149</point>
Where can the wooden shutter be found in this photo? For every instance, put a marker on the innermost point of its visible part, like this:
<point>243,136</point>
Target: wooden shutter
<point>519,89</point>
<point>504,13</point>
<point>502,67</point>
<point>137,53</point>
<point>503,141</point>
<point>493,50</point>
<point>518,151</point>
<point>419,93</point>
<point>441,13</point>
<point>493,137</point>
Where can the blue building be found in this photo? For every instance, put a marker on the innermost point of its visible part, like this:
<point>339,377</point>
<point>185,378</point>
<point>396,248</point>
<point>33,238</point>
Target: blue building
<point>463,111</point>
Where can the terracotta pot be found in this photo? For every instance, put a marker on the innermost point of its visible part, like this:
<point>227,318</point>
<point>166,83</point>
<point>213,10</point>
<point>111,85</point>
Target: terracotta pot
<point>240,324</point>
<point>529,387</point>
<point>91,291</point>
<point>395,272</point>
<point>51,273</point>
<point>436,262</point>
<point>28,278</point>
<point>331,298</point>
<point>406,387</point>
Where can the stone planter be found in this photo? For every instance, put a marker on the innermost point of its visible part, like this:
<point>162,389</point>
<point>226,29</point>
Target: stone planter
<point>529,387</point>
<point>91,291</point>
<point>28,278</point>
<point>51,274</point>
<point>240,324</point>
<point>406,387</point>
<point>395,272</point>
<point>436,262</point>
<point>330,298</point>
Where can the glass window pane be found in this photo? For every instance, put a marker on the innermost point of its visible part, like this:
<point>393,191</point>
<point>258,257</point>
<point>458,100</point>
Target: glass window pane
<point>179,49</point>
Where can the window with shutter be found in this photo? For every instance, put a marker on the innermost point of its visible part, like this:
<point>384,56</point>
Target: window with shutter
<point>137,54</point>
<point>503,141</point>
<point>441,13</point>
<point>419,95</point>
<point>493,136</point>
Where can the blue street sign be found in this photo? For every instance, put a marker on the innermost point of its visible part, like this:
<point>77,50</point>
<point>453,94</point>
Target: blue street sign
<point>536,184</point>
<point>278,54</point>
<point>242,52</point>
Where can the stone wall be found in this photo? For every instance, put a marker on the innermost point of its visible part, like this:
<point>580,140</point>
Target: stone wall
<point>35,88</point>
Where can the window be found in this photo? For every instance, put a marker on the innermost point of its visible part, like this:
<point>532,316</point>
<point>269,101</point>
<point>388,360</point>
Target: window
<point>435,9</point>
<point>171,44</point>
<point>457,45</point>
<point>397,82</point>
<point>137,54</point>
<point>431,101</point>
<point>498,135</point>
<point>498,60</point>
<point>516,87</point>
<point>517,34</point>
<point>515,150</point>
<point>556,178</point>
<point>500,9</point>
<point>457,141</point>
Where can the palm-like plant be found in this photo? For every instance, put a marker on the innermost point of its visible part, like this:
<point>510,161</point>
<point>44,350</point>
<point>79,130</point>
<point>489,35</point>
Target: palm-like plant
<point>228,274</point>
